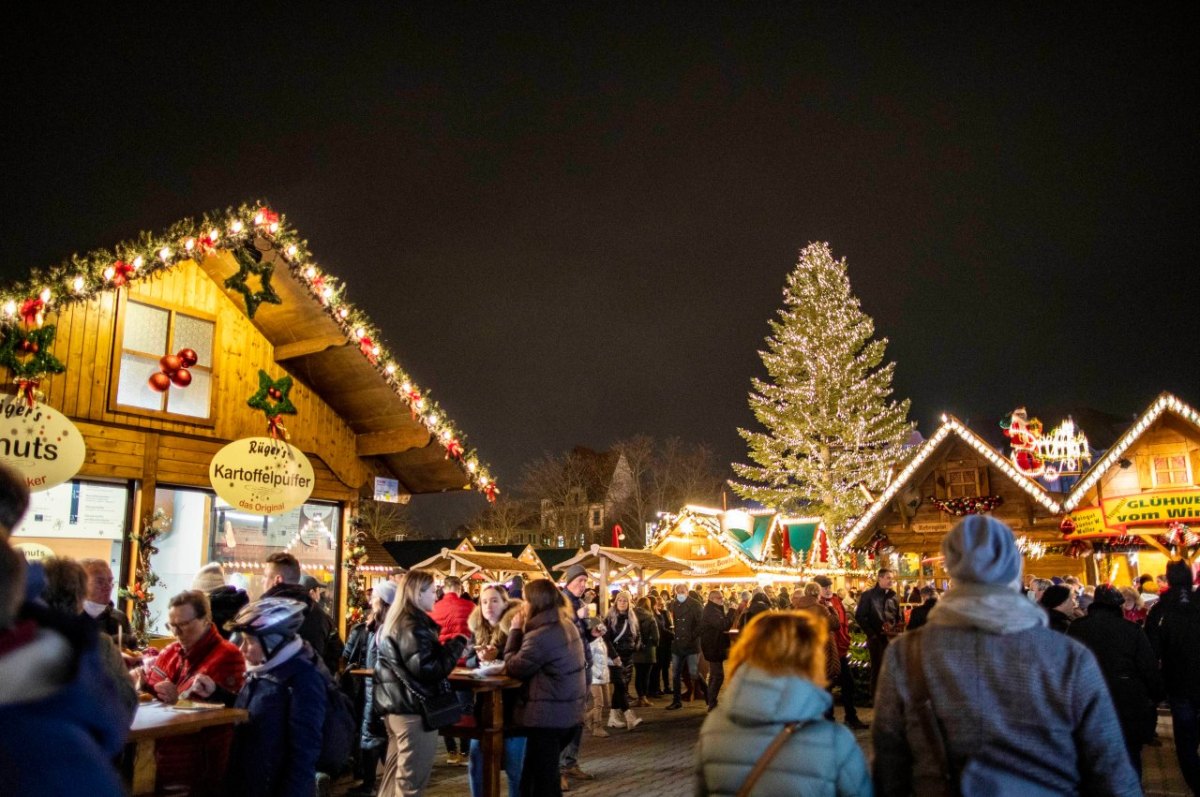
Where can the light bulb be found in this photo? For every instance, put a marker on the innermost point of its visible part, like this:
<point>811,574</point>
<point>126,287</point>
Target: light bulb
<point>235,227</point>
<point>137,262</point>
<point>10,307</point>
<point>291,251</point>
<point>390,368</point>
<point>77,284</point>
<point>189,244</point>
<point>44,295</point>
<point>164,254</point>
<point>109,273</point>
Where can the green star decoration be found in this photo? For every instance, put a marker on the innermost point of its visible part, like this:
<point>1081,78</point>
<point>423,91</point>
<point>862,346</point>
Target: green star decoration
<point>250,262</point>
<point>19,342</point>
<point>262,400</point>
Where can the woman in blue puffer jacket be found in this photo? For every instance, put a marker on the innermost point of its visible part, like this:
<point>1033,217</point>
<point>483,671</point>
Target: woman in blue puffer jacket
<point>275,753</point>
<point>777,677</point>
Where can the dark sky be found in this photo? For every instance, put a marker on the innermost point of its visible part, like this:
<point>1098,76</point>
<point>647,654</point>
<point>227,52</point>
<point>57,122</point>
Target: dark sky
<point>574,221</point>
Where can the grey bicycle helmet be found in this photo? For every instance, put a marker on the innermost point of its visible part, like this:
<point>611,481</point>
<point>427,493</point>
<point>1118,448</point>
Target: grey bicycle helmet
<point>273,621</point>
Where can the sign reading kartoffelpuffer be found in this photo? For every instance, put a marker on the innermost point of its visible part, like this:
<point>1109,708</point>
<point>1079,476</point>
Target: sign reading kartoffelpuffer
<point>262,475</point>
<point>39,442</point>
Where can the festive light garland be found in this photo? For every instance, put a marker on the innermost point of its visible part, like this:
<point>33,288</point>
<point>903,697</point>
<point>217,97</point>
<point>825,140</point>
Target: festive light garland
<point>967,505</point>
<point>82,278</point>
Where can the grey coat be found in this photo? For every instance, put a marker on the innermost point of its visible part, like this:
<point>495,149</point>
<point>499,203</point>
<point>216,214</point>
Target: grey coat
<point>1023,713</point>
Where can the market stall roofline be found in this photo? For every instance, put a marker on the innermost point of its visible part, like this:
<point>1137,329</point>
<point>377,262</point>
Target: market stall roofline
<point>950,425</point>
<point>1165,402</point>
<point>317,336</point>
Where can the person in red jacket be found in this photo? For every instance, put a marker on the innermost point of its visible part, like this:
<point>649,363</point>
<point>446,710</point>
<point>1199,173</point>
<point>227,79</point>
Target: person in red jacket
<point>842,642</point>
<point>452,613</point>
<point>199,664</point>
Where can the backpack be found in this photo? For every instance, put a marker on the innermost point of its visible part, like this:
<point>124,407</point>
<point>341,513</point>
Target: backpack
<point>339,730</point>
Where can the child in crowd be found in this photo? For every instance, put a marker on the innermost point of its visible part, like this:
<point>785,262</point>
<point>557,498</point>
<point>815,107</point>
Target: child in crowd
<point>599,707</point>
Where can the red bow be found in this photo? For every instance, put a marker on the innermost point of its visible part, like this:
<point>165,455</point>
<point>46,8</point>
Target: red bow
<point>28,388</point>
<point>367,347</point>
<point>414,398</point>
<point>275,427</point>
<point>121,273</point>
<point>33,312</point>
<point>491,491</point>
<point>266,217</point>
<point>454,448</point>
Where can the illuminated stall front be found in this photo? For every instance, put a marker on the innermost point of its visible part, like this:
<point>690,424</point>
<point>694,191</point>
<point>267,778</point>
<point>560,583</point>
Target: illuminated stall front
<point>210,395</point>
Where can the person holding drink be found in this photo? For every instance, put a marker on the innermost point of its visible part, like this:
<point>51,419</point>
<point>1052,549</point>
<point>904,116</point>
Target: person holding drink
<point>490,624</point>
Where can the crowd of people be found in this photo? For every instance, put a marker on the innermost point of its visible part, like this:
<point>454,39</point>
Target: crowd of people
<point>997,685</point>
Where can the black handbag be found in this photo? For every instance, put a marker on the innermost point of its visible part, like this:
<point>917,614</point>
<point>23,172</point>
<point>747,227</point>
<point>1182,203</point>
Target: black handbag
<point>439,710</point>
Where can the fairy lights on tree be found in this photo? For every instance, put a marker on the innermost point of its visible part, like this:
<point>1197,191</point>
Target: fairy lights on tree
<point>830,424</point>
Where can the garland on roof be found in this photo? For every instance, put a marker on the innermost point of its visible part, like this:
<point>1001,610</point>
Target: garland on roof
<point>972,505</point>
<point>238,231</point>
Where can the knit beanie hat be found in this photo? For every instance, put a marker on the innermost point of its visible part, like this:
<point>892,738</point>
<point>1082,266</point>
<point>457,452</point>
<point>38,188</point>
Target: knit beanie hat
<point>574,572</point>
<point>1054,596</point>
<point>981,550</point>
<point>385,591</point>
<point>1108,595</point>
<point>210,577</point>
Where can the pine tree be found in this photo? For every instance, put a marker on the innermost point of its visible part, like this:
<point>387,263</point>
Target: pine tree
<point>830,425</point>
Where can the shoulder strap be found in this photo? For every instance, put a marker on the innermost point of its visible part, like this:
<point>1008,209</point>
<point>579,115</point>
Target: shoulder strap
<point>760,766</point>
<point>931,727</point>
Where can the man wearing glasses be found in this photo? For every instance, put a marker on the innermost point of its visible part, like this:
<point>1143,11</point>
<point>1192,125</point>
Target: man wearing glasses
<point>199,663</point>
<point>98,603</point>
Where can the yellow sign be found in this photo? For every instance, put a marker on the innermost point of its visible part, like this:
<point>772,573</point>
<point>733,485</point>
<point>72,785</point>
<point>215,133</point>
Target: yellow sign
<point>1089,521</point>
<point>262,475</point>
<point>39,442</point>
<point>1153,509</point>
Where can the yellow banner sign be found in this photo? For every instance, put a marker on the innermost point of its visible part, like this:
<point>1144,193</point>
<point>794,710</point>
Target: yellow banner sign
<point>1089,521</point>
<point>1153,509</point>
<point>262,475</point>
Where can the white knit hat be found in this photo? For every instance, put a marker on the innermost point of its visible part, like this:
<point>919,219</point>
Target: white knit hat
<point>210,577</point>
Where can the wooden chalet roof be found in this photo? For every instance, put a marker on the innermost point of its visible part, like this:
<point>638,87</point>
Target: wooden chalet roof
<point>377,555</point>
<point>317,335</point>
<point>923,460</point>
<point>627,557</point>
<point>469,562</point>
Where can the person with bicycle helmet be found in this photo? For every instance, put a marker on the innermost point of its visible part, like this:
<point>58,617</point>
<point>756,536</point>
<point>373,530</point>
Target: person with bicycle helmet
<point>275,752</point>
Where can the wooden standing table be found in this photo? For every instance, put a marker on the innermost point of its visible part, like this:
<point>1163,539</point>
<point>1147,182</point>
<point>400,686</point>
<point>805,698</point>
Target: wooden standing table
<point>489,725</point>
<point>154,721</point>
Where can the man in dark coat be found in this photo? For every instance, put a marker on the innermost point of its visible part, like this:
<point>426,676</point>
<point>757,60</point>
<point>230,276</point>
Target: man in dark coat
<point>715,622</point>
<point>920,614</point>
<point>574,585</point>
<point>685,649</point>
<point>283,581</point>
<point>1127,661</point>
<point>1173,626</point>
<point>878,615</point>
<point>759,603</point>
<point>98,602</point>
<point>1059,602</point>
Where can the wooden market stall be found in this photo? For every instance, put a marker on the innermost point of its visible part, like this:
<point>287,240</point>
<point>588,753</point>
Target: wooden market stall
<point>617,564</point>
<point>467,564</point>
<point>1138,506</point>
<point>161,354</point>
<point>953,473</point>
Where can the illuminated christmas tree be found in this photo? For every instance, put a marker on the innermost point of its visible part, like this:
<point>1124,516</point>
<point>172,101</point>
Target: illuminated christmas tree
<point>831,427</point>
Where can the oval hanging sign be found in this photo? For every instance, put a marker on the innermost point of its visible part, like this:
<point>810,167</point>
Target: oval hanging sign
<point>262,475</point>
<point>39,442</point>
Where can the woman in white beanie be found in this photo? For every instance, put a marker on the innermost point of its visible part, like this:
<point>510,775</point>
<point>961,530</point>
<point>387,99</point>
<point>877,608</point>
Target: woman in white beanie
<point>225,601</point>
<point>1017,708</point>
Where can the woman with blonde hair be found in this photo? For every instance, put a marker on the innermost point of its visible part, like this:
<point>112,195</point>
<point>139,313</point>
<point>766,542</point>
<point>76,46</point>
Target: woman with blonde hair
<point>1134,609</point>
<point>410,677</point>
<point>771,718</point>
<point>624,636</point>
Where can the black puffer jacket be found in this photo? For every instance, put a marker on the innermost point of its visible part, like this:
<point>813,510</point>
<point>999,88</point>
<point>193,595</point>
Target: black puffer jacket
<point>316,626</point>
<point>1174,630</point>
<point>547,657</point>
<point>425,663</point>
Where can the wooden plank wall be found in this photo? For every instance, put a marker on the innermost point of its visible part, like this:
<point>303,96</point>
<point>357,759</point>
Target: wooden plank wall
<point>85,344</point>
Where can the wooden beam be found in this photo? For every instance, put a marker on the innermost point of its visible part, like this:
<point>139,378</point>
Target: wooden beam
<point>303,348</point>
<point>375,444</point>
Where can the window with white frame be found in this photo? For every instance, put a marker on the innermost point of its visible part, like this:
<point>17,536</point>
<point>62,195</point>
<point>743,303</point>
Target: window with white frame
<point>148,333</point>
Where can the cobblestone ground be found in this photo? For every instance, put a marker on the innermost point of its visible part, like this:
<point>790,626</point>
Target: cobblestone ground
<point>655,760</point>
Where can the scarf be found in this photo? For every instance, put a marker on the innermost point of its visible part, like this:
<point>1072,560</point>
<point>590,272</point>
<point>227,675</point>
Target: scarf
<point>992,608</point>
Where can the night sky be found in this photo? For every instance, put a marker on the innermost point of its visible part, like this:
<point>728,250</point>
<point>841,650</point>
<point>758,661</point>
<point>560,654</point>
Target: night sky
<point>573,222</point>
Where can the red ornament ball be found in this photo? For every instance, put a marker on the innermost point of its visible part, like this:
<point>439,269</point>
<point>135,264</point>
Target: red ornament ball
<point>189,357</point>
<point>160,382</point>
<point>181,378</point>
<point>274,393</point>
<point>170,363</point>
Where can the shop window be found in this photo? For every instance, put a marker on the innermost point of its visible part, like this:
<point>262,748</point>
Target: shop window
<point>78,519</point>
<point>962,483</point>
<point>595,518</point>
<point>147,333</point>
<point>1170,470</point>
<point>203,529</point>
